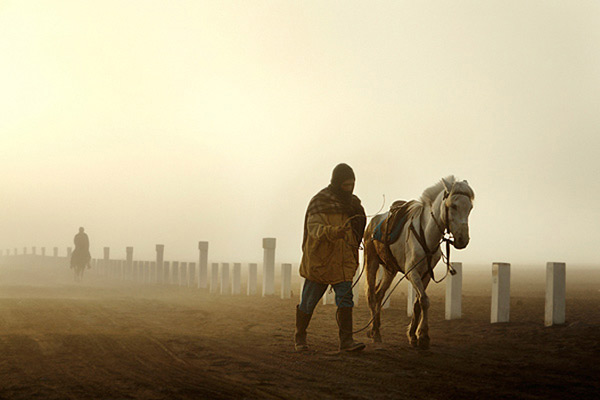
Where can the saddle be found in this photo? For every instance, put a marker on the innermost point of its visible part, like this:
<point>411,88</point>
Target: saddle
<point>388,231</point>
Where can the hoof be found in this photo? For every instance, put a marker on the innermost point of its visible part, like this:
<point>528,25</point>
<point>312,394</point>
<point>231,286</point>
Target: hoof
<point>301,347</point>
<point>423,343</point>
<point>413,342</point>
<point>374,336</point>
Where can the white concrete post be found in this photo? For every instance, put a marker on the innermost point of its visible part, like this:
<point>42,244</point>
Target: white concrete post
<point>129,262</point>
<point>454,293</point>
<point>286,281</point>
<point>203,265</point>
<point>268,266</point>
<point>192,282</point>
<point>153,277</point>
<point>34,250</point>
<point>411,297</point>
<point>500,292</point>
<point>106,259</point>
<point>386,303</point>
<point>175,273</point>
<point>329,296</point>
<point>55,252</point>
<point>252,278</point>
<point>555,293</point>
<point>43,251</point>
<point>214,278</point>
<point>146,272</point>
<point>135,270</point>
<point>160,254</point>
<point>236,281</point>
<point>166,274</point>
<point>183,274</point>
<point>121,269</point>
<point>225,282</point>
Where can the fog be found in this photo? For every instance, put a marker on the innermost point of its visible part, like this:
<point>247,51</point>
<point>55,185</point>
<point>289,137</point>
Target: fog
<point>175,122</point>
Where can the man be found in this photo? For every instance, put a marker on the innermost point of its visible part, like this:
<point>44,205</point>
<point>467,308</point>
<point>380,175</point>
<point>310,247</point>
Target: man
<point>81,254</point>
<point>333,228</point>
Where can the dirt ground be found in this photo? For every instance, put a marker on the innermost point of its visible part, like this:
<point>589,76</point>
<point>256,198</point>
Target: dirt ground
<point>61,340</point>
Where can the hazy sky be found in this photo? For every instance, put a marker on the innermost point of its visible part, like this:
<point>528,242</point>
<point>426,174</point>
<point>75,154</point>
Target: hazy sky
<point>177,121</point>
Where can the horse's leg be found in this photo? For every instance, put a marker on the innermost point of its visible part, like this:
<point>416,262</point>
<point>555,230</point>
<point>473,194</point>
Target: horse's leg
<point>382,288</point>
<point>372,265</point>
<point>421,306</point>
<point>414,321</point>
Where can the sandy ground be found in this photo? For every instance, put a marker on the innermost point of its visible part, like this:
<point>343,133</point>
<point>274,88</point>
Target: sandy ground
<point>61,340</point>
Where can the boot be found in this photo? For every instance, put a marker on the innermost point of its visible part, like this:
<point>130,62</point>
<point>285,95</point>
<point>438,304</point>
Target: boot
<point>344,315</point>
<point>302,321</point>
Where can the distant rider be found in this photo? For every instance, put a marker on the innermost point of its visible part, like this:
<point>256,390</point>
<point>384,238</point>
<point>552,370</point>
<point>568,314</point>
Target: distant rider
<point>81,253</point>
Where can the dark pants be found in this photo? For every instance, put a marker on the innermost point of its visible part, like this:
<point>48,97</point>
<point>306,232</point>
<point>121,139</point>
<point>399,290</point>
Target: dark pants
<point>313,291</point>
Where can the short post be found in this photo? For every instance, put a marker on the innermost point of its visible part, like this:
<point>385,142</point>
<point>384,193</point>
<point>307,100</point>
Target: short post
<point>411,297</point>
<point>268,266</point>
<point>43,251</point>
<point>203,265</point>
<point>121,270</point>
<point>555,293</point>
<point>329,296</point>
<point>146,272</point>
<point>24,251</point>
<point>252,278</point>
<point>69,252</point>
<point>183,274</point>
<point>55,252</point>
<point>286,281</point>
<point>454,293</point>
<point>192,274</point>
<point>160,253</point>
<point>34,250</point>
<point>214,278</point>
<point>166,274</point>
<point>236,281</point>
<point>153,278</point>
<point>225,284</point>
<point>500,292</point>
<point>175,273</point>
<point>129,262</point>
<point>106,258</point>
<point>135,271</point>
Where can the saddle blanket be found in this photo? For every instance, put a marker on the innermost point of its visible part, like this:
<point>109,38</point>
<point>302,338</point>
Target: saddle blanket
<point>388,230</point>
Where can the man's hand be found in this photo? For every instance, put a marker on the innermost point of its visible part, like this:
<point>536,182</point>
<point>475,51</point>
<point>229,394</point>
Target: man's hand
<point>341,232</point>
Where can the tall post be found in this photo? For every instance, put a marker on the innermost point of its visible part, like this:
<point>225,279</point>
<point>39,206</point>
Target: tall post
<point>214,278</point>
<point>129,262</point>
<point>225,283</point>
<point>454,293</point>
<point>268,266</point>
<point>252,278</point>
<point>203,265</point>
<point>286,281</point>
<point>236,280</point>
<point>160,253</point>
<point>500,292</point>
<point>555,293</point>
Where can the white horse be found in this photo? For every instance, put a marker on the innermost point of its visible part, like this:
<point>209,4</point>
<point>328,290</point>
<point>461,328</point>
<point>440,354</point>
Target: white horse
<point>443,207</point>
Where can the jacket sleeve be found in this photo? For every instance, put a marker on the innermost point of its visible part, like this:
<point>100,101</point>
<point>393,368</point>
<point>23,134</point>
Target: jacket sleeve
<point>319,229</point>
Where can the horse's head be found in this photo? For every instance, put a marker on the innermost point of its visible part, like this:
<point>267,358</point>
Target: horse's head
<point>457,205</point>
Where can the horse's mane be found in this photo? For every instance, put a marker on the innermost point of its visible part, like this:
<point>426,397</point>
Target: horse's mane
<point>432,192</point>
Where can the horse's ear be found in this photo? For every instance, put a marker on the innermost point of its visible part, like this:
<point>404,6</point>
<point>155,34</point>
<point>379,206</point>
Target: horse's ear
<point>465,181</point>
<point>446,186</point>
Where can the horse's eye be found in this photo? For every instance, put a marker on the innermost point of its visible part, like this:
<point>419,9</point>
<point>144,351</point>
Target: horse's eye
<point>453,206</point>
